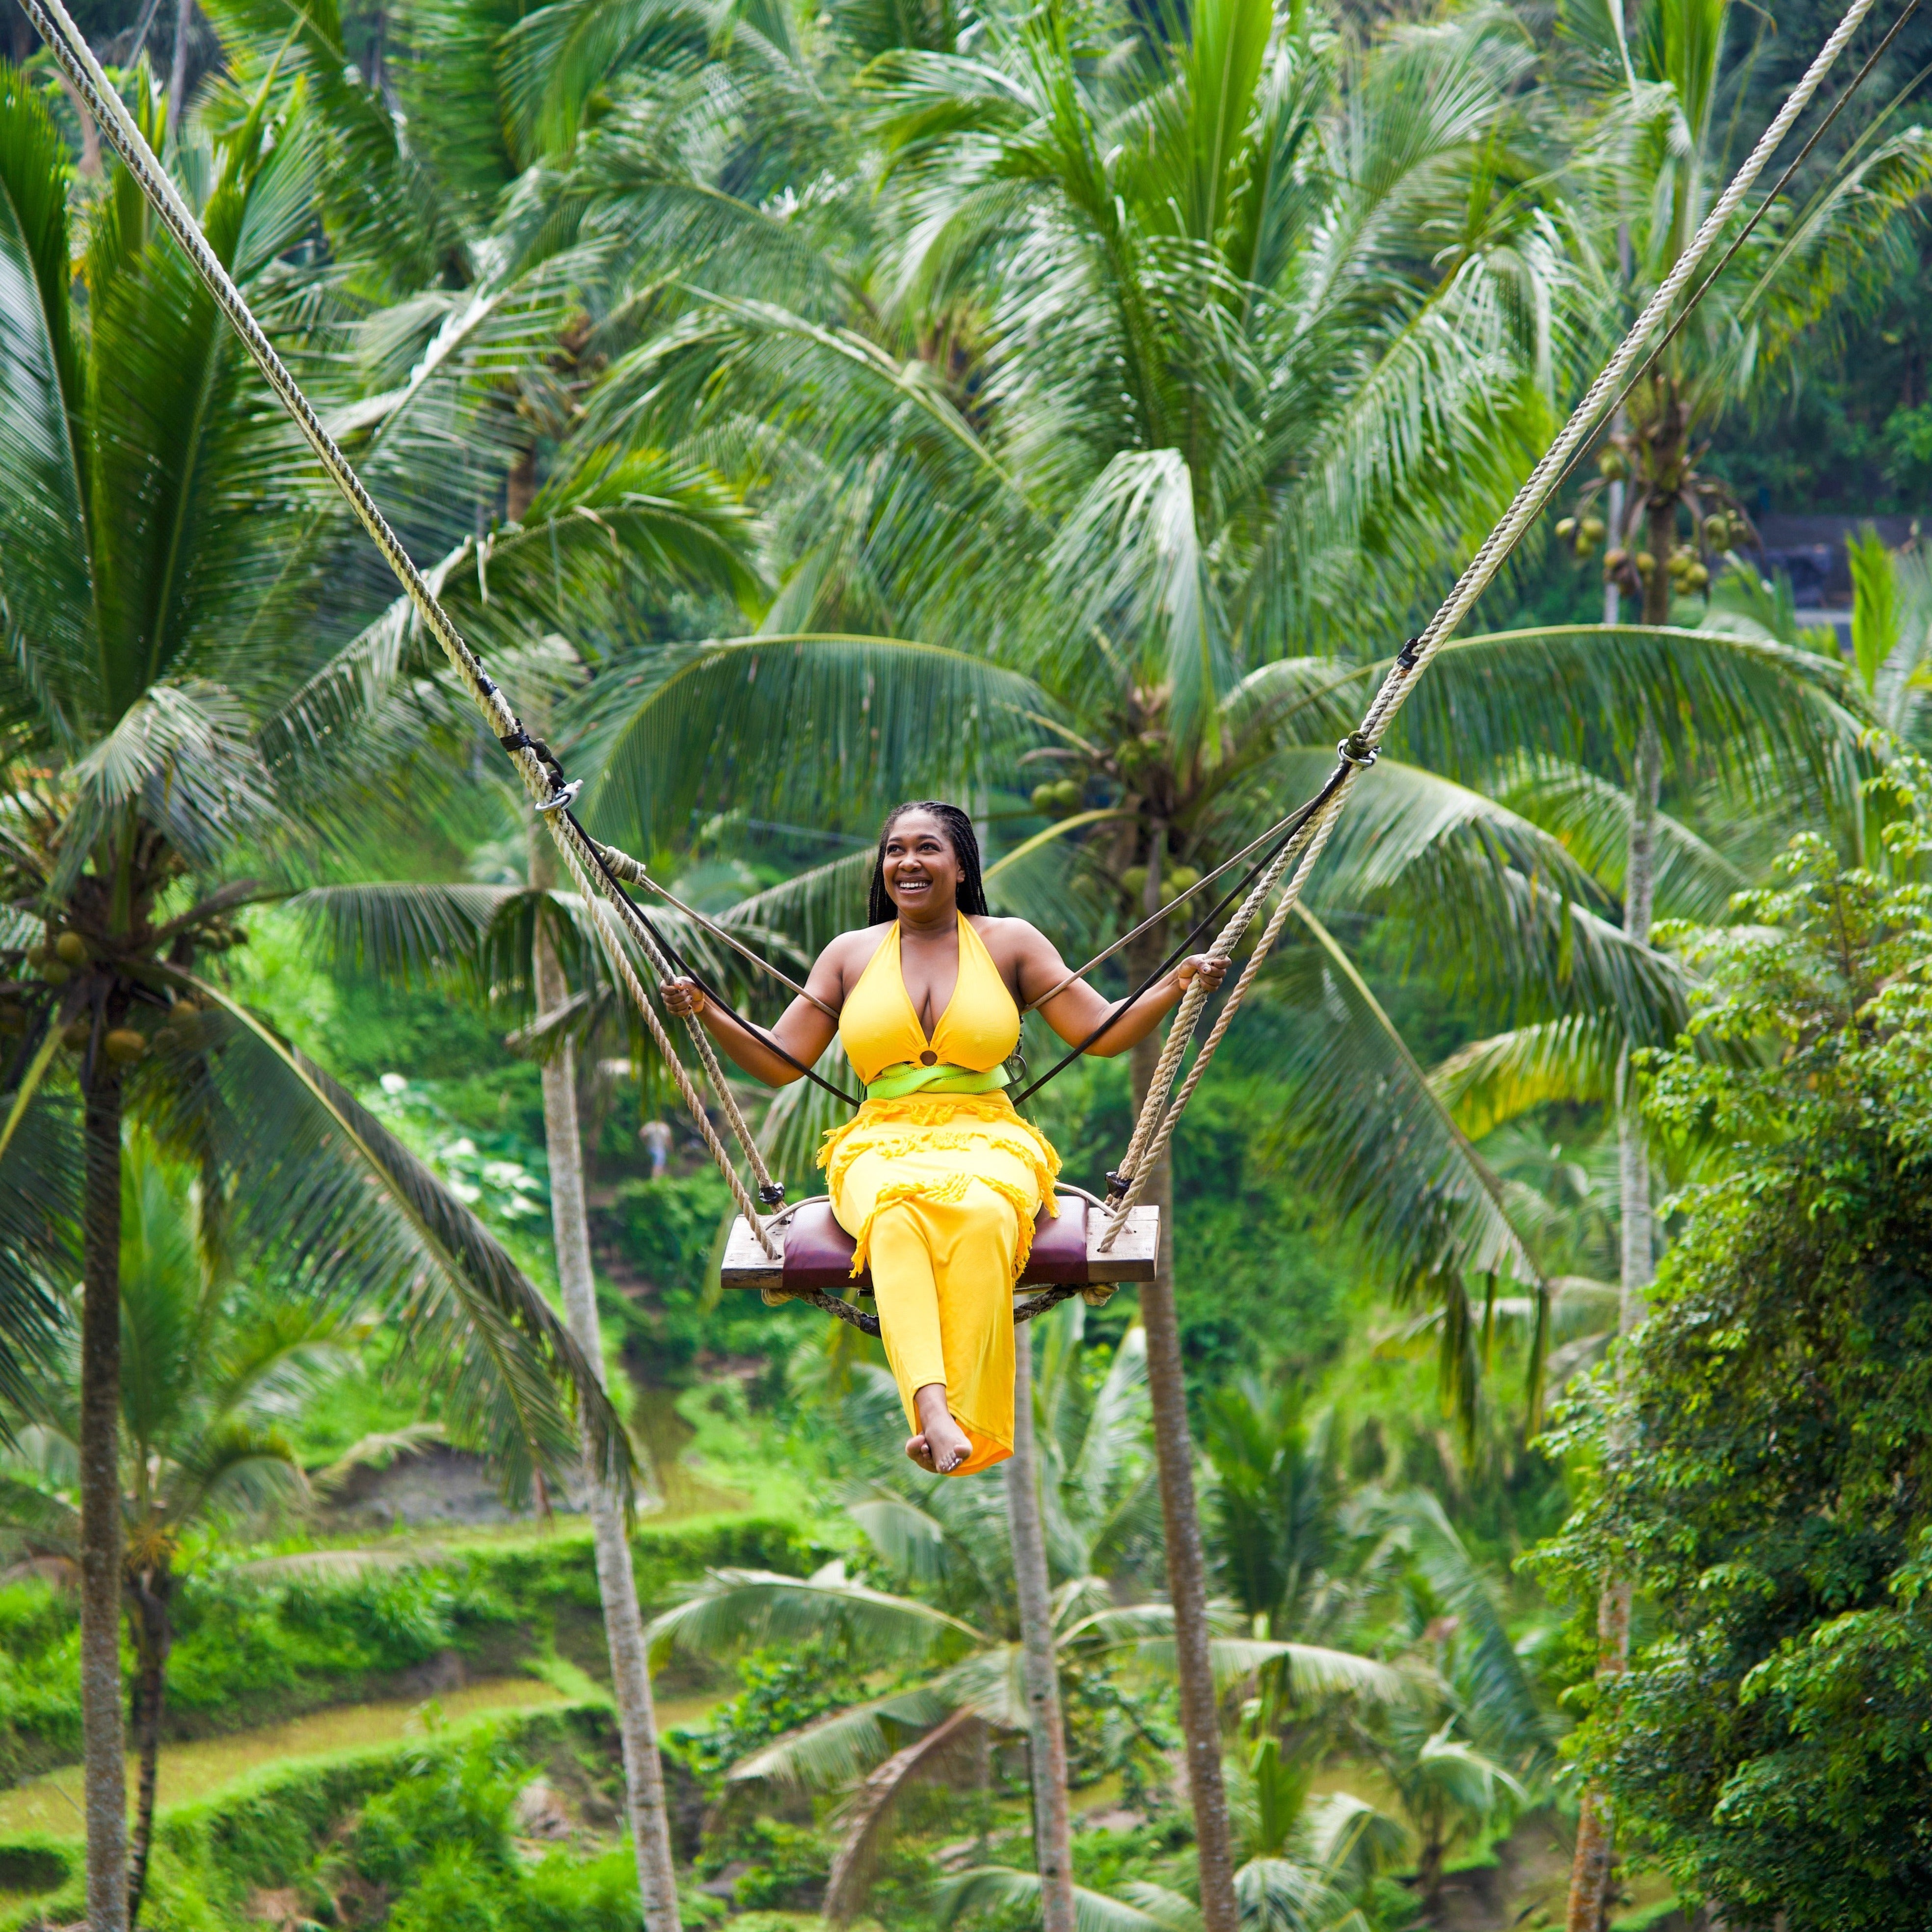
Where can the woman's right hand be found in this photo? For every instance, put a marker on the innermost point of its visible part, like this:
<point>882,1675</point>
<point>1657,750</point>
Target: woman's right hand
<point>684,997</point>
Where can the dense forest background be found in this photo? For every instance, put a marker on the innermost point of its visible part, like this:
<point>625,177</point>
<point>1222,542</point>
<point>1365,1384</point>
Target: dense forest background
<point>1484,1571</point>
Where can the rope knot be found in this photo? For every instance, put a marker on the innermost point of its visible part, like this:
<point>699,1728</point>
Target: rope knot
<point>1355,749</point>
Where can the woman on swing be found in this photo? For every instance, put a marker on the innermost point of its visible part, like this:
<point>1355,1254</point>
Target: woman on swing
<point>937,1177</point>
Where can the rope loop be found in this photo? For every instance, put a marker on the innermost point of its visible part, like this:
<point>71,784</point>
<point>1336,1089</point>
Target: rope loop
<point>1356,750</point>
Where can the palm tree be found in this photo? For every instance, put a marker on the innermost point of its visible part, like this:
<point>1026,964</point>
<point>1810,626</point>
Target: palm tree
<point>1645,178</point>
<point>210,1371</point>
<point>530,952</point>
<point>1142,383</point>
<point>951,1545</point>
<point>167,721</point>
<point>1656,161</point>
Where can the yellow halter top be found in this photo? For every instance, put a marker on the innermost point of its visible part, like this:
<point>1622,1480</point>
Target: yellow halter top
<point>889,1051</point>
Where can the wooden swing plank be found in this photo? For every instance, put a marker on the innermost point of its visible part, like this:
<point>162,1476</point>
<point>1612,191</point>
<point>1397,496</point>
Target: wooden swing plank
<point>1131,1258</point>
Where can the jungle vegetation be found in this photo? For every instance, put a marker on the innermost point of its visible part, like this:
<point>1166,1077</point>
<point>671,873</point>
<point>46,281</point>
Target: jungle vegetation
<point>1505,1493</point>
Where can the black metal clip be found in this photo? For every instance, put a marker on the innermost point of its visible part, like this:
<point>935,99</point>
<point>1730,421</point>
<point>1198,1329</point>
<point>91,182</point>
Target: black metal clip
<point>520,740</point>
<point>1117,1184</point>
<point>1356,750</point>
<point>1406,657</point>
<point>772,1193</point>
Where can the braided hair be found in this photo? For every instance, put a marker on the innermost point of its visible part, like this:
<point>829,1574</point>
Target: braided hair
<point>959,835</point>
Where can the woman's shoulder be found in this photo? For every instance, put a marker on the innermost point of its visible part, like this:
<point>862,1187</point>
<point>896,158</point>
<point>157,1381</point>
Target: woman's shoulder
<point>861,942</point>
<point>1007,935</point>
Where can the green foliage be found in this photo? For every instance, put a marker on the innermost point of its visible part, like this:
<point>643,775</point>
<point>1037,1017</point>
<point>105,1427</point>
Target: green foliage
<point>456,1804</point>
<point>784,1690</point>
<point>253,1646</point>
<point>1762,1480</point>
<point>785,1863</point>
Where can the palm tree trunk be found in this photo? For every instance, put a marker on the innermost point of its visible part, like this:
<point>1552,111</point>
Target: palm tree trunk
<point>103,1740</point>
<point>1052,1834</point>
<point>1590,1873</point>
<point>617,1582</point>
<point>154,1639</point>
<point>1180,1520</point>
<point>178,71</point>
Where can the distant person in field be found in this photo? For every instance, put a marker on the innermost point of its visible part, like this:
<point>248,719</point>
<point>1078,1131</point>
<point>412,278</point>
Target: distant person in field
<point>655,1135</point>
<point>937,1177</point>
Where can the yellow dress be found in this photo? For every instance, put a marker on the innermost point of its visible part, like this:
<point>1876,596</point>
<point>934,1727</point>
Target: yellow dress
<point>940,1189</point>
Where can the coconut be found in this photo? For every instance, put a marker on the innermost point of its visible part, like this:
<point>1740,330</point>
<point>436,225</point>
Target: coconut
<point>75,1035</point>
<point>37,956</point>
<point>125,1045</point>
<point>55,974</point>
<point>72,949</point>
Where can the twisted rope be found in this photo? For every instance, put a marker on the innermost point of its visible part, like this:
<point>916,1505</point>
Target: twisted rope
<point>541,780</point>
<point>1154,1129</point>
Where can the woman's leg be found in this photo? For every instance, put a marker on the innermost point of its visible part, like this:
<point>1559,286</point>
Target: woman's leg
<point>906,1292</point>
<point>943,1276</point>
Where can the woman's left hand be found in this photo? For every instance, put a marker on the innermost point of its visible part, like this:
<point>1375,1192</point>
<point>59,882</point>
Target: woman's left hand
<point>1212,971</point>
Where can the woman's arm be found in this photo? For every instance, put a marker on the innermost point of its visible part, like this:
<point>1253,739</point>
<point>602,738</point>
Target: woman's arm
<point>804,1030</point>
<point>1077,1010</point>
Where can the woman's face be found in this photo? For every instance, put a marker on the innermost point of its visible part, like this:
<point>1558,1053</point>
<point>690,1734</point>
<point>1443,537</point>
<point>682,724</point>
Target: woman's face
<point>921,871</point>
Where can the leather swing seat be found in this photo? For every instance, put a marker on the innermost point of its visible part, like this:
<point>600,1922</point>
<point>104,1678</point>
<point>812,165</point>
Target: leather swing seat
<point>816,1252</point>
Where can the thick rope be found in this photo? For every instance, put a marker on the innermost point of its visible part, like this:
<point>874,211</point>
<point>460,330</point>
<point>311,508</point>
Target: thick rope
<point>75,59</point>
<point>693,1101</point>
<point>634,870</point>
<point>1155,1127</point>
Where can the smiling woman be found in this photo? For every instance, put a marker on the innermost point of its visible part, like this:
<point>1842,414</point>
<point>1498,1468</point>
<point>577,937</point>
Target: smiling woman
<point>937,1178</point>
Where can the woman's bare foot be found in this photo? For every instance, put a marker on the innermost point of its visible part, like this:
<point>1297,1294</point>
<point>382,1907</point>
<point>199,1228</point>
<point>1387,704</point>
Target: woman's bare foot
<point>941,1445</point>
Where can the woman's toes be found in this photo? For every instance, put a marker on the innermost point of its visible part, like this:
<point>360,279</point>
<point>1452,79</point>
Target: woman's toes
<point>920,1451</point>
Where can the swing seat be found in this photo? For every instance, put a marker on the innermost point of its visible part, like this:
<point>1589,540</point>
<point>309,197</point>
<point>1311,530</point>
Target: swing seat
<point>815,1253</point>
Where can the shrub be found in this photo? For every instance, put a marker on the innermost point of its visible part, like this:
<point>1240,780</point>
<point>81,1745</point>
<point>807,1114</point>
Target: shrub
<point>1765,1453</point>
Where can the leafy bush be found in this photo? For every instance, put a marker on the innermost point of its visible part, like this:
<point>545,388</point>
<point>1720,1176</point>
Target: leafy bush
<point>1763,1473</point>
<point>667,1229</point>
<point>449,1801</point>
<point>40,1673</point>
<point>787,1865</point>
<point>420,1831</point>
<point>783,1689</point>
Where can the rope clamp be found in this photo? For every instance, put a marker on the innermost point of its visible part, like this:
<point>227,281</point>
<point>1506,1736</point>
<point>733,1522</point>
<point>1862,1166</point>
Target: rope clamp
<point>1117,1184</point>
<point>771,1193</point>
<point>1406,657</point>
<point>563,798</point>
<point>1356,750</point>
<point>520,740</point>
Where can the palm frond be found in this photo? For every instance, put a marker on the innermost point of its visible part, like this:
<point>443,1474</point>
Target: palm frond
<point>327,1191</point>
<point>810,728</point>
<point>945,1752</point>
<point>834,1750</point>
<point>732,1608</point>
<point>1002,1888</point>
